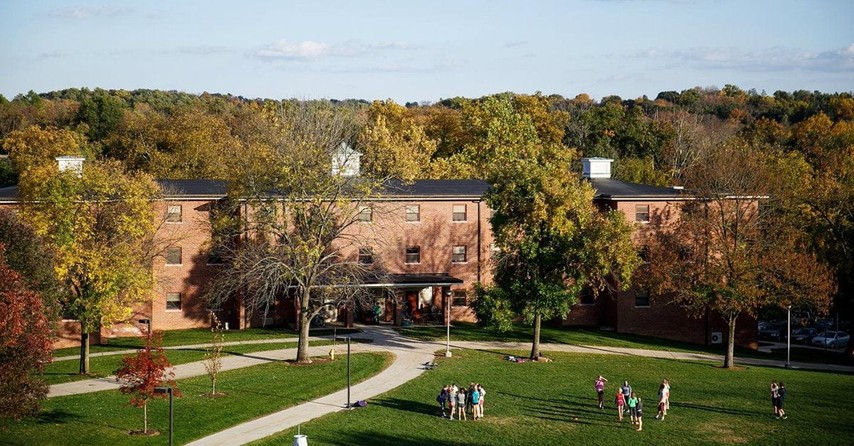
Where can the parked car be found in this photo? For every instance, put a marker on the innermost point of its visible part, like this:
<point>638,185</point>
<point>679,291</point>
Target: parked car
<point>804,335</point>
<point>831,339</point>
<point>772,332</point>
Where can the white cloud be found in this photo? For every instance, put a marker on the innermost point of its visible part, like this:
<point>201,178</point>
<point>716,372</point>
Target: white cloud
<point>308,49</point>
<point>768,59</point>
<point>85,12</point>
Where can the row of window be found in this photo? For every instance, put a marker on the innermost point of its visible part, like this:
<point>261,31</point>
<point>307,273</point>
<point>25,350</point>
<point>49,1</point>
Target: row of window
<point>412,213</point>
<point>413,255</point>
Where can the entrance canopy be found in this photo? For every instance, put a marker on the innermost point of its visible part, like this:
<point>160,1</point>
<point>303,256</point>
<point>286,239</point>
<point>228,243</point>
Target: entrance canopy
<point>413,281</point>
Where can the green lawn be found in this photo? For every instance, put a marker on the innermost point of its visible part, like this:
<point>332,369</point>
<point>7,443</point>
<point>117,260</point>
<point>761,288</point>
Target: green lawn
<point>100,366</point>
<point>554,404</point>
<point>595,337</point>
<point>194,336</point>
<point>104,418</point>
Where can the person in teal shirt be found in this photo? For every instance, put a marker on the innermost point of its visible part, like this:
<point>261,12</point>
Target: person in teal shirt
<point>633,407</point>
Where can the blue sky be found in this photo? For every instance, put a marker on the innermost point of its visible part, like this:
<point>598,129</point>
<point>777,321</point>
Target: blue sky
<point>426,50</point>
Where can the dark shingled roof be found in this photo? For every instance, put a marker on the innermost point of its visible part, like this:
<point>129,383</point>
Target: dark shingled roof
<point>193,188</point>
<point>437,188</point>
<point>9,193</point>
<point>610,189</point>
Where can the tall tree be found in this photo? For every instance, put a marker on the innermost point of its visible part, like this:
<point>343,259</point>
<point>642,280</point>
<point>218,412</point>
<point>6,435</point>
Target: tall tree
<point>99,227</point>
<point>302,230</point>
<point>729,251</point>
<point>552,240</point>
<point>25,344</point>
<point>393,143</point>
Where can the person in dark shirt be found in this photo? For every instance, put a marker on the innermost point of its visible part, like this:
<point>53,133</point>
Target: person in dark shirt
<point>781,396</point>
<point>639,409</point>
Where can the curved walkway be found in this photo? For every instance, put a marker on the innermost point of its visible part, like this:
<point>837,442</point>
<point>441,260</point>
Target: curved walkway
<point>410,356</point>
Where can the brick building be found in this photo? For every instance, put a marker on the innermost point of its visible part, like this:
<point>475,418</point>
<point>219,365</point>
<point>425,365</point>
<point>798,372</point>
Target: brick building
<point>438,245</point>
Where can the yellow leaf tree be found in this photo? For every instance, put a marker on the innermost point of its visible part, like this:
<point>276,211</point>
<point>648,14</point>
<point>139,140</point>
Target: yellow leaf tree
<point>100,226</point>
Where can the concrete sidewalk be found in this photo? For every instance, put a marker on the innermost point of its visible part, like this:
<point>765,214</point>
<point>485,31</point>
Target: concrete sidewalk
<point>189,347</point>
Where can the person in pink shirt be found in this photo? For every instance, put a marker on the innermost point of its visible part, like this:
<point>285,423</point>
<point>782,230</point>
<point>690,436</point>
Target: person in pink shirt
<point>599,385</point>
<point>620,400</point>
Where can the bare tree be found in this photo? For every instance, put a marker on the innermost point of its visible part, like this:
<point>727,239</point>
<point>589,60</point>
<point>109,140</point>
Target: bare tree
<point>300,231</point>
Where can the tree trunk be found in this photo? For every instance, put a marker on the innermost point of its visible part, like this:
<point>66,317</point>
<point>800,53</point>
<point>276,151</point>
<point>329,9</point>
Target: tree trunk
<point>535,347</point>
<point>304,325</point>
<point>145,418</point>
<point>84,352</point>
<point>730,344</point>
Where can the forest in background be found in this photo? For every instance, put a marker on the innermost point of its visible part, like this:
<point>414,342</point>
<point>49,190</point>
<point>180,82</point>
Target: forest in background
<point>806,137</point>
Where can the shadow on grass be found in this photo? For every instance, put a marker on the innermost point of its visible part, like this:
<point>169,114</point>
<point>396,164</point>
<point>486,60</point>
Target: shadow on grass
<point>386,439</point>
<point>408,406</point>
<point>58,416</point>
<point>725,410</point>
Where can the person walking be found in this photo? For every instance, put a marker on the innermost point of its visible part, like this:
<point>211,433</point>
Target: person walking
<point>599,385</point>
<point>774,395</point>
<point>666,394</point>
<point>461,404</point>
<point>781,397</point>
<point>639,412</point>
<point>633,408</point>
<point>620,401</point>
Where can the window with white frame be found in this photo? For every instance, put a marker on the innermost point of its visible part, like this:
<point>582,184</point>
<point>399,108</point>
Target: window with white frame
<point>366,256</point>
<point>459,254</point>
<point>413,254</point>
<point>459,298</point>
<point>173,301</point>
<point>173,256</point>
<point>459,212</point>
<point>365,214</point>
<point>173,213</point>
<point>642,213</point>
<point>413,213</point>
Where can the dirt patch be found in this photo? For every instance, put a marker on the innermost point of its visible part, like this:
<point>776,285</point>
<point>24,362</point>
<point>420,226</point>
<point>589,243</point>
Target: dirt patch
<point>722,433</point>
<point>149,433</point>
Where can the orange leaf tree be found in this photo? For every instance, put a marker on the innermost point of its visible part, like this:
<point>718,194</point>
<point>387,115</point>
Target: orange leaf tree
<point>142,372</point>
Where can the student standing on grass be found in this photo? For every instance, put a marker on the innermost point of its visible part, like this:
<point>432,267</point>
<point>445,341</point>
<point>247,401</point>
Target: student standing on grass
<point>452,399</point>
<point>633,407</point>
<point>461,404</point>
<point>781,396</point>
<point>666,395</point>
<point>627,391</point>
<point>482,394</point>
<point>475,403</point>
<point>639,411</point>
<point>468,398</point>
<point>620,400</point>
<point>662,403</point>
<point>440,398</point>
<point>774,395</point>
<point>599,385</point>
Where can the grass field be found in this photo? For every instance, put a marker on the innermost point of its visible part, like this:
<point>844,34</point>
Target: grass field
<point>105,418</point>
<point>555,404</point>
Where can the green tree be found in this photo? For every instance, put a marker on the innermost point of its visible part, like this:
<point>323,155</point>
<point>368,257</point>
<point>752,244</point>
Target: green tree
<point>393,144</point>
<point>552,240</point>
<point>99,227</point>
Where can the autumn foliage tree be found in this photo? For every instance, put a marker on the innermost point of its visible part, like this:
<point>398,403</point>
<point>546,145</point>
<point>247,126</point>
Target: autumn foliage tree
<point>731,251</point>
<point>25,345</point>
<point>139,374</point>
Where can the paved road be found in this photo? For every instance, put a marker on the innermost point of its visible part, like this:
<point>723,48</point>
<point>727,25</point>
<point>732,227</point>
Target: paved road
<point>410,355</point>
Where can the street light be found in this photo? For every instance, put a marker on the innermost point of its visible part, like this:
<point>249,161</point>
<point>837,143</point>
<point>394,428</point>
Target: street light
<point>171,411</point>
<point>348,372</point>
<point>448,322</point>
<point>789,336</point>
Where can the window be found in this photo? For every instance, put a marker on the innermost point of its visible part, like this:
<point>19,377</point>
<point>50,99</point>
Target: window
<point>173,301</point>
<point>459,212</point>
<point>173,213</point>
<point>641,298</point>
<point>173,256</point>
<point>642,213</point>
<point>459,254</point>
<point>365,214</point>
<point>643,254</point>
<point>413,254</point>
<point>586,296</point>
<point>459,298</point>
<point>366,256</point>
<point>413,213</point>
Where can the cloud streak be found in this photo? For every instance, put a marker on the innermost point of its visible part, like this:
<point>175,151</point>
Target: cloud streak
<point>309,49</point>
<point>86,12</point>
<point>770,59</point>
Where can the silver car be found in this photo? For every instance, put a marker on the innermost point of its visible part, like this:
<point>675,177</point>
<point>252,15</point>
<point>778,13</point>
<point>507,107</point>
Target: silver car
<point>831,339</point>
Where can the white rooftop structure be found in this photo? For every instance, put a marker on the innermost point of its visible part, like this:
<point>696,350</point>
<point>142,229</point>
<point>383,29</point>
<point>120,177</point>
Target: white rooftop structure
<point>596,167</point>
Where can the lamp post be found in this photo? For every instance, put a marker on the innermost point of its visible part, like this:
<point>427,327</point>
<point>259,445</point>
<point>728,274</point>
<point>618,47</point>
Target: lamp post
<point>348,372</point>
<point>788,336</point>
<point>448,323</point>
<point>171,411</point>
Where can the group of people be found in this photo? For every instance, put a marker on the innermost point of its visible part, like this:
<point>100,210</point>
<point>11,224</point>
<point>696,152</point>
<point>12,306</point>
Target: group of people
<point>627,400</point>
<point>461,401</point>
<point>778,394</point>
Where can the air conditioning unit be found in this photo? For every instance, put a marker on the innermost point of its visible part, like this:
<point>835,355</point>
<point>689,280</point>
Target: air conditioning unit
<point>716,337</point>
